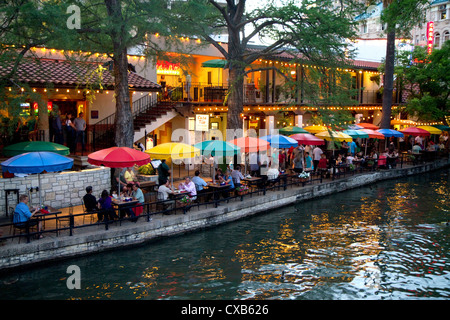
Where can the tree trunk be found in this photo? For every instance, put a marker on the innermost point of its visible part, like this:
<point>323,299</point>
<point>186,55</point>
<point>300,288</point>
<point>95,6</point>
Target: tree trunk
<point>388,80</point>
<point>235,99</point>
<point>124,134</point>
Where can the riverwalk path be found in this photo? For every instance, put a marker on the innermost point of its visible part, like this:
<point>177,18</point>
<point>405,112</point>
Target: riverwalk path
<point>96,238</point>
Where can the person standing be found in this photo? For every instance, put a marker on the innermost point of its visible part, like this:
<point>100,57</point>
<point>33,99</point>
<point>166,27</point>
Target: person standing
<point>70,136</point>
<point>80,127</point>
<point>163,172</point>
<point>317,155</point>
<point>57,128</point>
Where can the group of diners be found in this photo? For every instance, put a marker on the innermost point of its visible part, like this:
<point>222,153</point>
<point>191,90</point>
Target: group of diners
<point>104,206</point>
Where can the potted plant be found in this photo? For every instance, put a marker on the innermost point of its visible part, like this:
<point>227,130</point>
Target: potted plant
<point>241,190</point>
<point>186,200</point>
<point>304,176</point>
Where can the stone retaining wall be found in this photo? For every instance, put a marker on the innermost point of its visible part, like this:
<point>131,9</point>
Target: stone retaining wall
<point>98,240</point>
<point>57,189</point>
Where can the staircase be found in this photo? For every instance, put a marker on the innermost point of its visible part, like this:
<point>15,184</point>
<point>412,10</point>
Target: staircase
<point>148,114</point>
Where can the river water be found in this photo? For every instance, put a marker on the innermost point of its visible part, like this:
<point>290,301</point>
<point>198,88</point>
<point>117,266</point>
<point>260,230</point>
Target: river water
<point>386,241</point>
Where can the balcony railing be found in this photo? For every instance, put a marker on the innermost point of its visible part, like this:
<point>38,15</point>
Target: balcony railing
<point>216,93</point>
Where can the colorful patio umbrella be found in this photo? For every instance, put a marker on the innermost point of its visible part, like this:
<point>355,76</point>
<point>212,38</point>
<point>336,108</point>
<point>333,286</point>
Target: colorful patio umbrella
<point>37,162</point>
<point>315,129</point>
<point>390,133</point>
<point>334,136</point>
<point>35,146</point>
<point>217,148</point>
<point>431,129</point>
<point>280,141</point>
<point>354,127</point>
<point>215,63</point>
<point>442,127</point>
<point>251,144</point>
<point>356,134</point>
<point>367,125</point>
<point>414,131</point>
<point>373,134</point>
<point>118,157</point>
<point>291,130</point>
<point>308,139</point>
<point>174,151</point>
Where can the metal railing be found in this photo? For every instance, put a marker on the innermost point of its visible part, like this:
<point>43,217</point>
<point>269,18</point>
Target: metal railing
<point>208,198</point>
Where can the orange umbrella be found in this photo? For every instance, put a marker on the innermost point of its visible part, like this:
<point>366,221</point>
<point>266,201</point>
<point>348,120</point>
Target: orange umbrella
<point>250,144</point>
<point>367,125</point>
<point>373,134</point>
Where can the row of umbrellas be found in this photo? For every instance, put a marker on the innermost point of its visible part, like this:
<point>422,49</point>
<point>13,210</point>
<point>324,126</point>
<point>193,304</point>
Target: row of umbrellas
<point>37,157</point>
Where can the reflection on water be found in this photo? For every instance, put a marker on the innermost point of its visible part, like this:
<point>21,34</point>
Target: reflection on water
<point>387,241</point>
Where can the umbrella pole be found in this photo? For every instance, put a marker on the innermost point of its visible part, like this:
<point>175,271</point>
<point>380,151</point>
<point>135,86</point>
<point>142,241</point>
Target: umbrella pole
<point>40,200</point>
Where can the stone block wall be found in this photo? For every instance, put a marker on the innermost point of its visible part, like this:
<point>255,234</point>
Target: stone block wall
<point>57,189</point>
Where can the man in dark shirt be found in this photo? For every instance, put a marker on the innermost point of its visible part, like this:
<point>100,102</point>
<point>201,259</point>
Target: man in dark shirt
<point>163,172</point>
<point>90,203</point>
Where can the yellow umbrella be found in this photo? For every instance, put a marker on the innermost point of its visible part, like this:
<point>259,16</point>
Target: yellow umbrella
<point>174,151</point>
<point>430,129</point>
<point>334,135</point>
<point>315,129</point>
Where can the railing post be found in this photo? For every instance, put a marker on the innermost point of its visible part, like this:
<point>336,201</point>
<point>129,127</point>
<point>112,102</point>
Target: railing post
<point>71,225</point>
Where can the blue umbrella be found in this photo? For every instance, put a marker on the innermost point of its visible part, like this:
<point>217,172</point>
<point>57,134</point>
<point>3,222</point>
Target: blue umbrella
<point>37,162</point>
<point>391,133</point>
<point>280,141</point>
<point>217,148</point>
<point>356,134</point>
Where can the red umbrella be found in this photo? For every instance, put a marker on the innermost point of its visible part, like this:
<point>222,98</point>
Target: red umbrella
<point>118,157</point>
<point>308,139</point>
<point>373,134</point>
<point>250,144</point>
<point>368,125</point>
<point>414,131</point>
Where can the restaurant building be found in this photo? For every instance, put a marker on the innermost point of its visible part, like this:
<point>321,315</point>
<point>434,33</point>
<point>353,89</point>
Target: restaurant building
<point>182,91</point>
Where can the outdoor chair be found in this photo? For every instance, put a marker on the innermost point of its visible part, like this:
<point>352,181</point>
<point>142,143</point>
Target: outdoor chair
<point>64,221</point>
<point>89,214</point>
<point>22,228</point>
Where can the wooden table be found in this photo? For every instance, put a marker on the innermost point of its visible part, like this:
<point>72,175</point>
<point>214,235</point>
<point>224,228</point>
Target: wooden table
<point>217,188</point>
<point>178,194</point>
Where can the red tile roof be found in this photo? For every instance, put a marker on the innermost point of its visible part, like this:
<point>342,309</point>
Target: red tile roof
<point>39,72</point>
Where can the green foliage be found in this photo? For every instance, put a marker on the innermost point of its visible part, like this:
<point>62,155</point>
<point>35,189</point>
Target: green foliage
<point>426,79</point>
<point>146,169</point>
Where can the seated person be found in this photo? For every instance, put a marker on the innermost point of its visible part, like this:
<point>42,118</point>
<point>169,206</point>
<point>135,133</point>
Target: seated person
<point>199,182</point>
<point>189,186</point>
<point>219,174</point>
<point>272,173</point>
<point>416,149</point>
<point>130,177</point>
<point>127,190</point>
<point>163,194</point>
<point>139,196</point>
<point>23,215</point>
<point>237,176</point>
<point>105,205</point>
<point>90,203</point>
<point>229,181</point>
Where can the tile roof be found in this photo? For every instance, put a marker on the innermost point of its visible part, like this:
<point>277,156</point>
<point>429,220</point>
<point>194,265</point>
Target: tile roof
<point>68,74</point>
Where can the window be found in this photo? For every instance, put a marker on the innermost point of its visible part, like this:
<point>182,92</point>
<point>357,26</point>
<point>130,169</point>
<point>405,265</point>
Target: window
<point>417,40</point>
<point>364,27</point>
<point>442,12</point>
<point>446,36</point>
<point>437,39</point>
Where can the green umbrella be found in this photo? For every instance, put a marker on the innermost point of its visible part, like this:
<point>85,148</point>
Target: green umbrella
<point>35,146</point>
<point>217,148</point>
<point>291,130</point>
<point>442,127</point>
<point>216,63</point>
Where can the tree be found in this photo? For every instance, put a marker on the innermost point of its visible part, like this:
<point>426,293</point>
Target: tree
<point>25,24</point>
<point>399,17</point>
<point>426,79</point>
<point>313,31</point>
